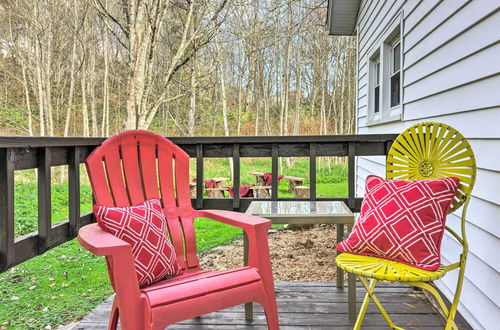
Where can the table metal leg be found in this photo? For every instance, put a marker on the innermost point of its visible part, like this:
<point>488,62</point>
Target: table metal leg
<point>351,288</point>
<point>248,306</point>
<point>340,271</point>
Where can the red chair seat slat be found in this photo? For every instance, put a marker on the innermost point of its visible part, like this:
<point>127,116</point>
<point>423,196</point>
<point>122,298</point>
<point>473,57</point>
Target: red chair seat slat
<point>170,291</point>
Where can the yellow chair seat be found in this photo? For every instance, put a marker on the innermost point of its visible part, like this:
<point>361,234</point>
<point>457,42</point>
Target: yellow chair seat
<point>385,270</point>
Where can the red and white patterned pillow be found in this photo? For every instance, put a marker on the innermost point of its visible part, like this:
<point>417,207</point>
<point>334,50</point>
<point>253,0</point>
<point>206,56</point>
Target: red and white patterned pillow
<point>143,227</point>
<point>402,221</point>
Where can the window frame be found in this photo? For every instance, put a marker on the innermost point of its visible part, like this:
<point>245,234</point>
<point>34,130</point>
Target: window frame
<point>383,51</point>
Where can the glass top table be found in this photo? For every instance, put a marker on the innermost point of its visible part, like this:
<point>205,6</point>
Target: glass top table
<point>302,212</point>
<point>308,212</point>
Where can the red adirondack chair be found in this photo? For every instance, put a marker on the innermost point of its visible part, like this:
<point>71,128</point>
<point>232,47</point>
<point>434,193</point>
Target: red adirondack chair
<point>134,166</point>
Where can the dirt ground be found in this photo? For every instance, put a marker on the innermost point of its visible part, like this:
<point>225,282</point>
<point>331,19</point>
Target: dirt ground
<point>296,255</point>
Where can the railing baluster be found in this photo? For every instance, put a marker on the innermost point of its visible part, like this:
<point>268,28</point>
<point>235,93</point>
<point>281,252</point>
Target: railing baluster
<point>74,190</point>
<point>351,180</point>
<point>274,172</point>
<point>312,171</point>
<point>6,209</point>
<point>199,176</point>
<point>236,176</point>
<point>44,200</point>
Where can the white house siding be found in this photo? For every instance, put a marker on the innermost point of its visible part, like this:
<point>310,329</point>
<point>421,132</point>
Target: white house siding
<point>451,74</point>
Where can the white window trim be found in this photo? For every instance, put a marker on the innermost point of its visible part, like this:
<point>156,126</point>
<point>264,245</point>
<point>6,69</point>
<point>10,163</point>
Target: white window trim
<point>383,51</point>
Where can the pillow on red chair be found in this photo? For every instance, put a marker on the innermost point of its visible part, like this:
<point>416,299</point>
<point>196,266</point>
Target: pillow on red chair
<point>143,227</point>
<point>402,221</point>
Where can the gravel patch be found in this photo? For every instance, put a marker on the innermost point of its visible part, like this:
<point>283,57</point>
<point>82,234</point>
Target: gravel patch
<point>297,255</point>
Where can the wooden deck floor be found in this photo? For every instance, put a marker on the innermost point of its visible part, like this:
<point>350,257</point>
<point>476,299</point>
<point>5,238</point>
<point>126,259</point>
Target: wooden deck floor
<point>311,305</point>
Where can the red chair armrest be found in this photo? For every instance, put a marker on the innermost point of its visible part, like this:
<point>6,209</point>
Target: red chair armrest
<point>100,242</point>
<point>237,219</point>
<point>256,230</point>
<point>120,261</point>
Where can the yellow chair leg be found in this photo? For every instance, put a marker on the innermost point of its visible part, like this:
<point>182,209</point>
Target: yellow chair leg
<point>370,289</point>
<point>364,306</point>
<point>450,324</point>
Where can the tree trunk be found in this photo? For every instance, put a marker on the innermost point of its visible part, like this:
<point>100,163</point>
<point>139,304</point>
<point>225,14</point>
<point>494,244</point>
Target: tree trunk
<point>27,98</point>
<point>192,99</point>
<point>72,71</point>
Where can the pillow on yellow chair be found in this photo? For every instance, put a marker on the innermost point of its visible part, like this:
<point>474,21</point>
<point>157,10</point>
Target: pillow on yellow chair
<point>402,221</point>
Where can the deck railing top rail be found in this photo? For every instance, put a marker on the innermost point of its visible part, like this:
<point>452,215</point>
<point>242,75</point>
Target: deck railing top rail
<point>41,153</point>
<point>48,141</point>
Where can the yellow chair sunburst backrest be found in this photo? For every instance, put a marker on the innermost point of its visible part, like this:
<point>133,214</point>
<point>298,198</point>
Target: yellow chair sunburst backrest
<point>432,150</point>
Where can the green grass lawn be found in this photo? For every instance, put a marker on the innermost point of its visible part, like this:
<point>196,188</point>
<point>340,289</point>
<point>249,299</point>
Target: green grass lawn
<point>67,282</point>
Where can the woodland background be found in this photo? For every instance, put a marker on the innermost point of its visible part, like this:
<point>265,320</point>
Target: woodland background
<point>178,67</point>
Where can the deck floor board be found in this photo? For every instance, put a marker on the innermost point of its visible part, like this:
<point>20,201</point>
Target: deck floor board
<point>310,305</point>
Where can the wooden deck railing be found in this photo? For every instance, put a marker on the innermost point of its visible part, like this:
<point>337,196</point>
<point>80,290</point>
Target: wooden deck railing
<point>41,153</point>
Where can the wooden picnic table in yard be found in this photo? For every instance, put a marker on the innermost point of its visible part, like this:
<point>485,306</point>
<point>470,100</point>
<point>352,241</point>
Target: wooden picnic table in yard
<point>261,191</point>
<point>216,192</point>
<point>293,181</point>
<point>259,178</point>
<point>192,189</point>
<point>301,192</point>
<point>219,181</point>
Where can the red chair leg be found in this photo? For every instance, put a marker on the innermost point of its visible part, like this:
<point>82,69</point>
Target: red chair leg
<point>271,313</point>
<point>113,318</point>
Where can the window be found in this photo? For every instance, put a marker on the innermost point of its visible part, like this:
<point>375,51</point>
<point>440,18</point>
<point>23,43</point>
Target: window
<point>376,92</point>
<point>385,76</point>
<point>395,73</point>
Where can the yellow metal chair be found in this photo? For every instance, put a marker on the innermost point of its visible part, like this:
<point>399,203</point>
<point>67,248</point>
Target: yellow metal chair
<point>423,151</point>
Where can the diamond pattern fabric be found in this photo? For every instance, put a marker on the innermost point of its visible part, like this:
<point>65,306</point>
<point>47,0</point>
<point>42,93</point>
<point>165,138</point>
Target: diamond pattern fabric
<point>143,227</point>
<point>402,221</point>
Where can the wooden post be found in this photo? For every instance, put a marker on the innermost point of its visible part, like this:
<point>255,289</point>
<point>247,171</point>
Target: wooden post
<point>6,209</point>
<point>274,172</point>
<point>351,180</point>
<point>74,190</point>
<point>44,200</point>
<point>312,171</point>
<point>199,176</point>
<point>236,176</point>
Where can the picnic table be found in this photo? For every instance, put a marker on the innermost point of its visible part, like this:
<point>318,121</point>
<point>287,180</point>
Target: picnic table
<point>261,191</point>
<point>260,178</point>
<point>301,192</point>
<point>293,181</point>
<point>192,189</point>
<point>214,187</point>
